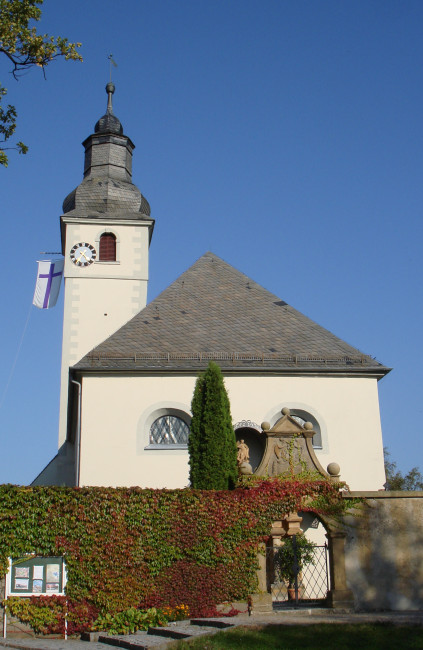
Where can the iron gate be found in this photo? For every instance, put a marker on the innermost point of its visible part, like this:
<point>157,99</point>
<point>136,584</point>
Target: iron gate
<point>312,580</point>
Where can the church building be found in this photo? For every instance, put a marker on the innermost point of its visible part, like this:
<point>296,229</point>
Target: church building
<point>129,369</point>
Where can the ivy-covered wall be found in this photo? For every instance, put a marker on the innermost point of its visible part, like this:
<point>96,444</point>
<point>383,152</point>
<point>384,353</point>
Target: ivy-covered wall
<point>142,548</point>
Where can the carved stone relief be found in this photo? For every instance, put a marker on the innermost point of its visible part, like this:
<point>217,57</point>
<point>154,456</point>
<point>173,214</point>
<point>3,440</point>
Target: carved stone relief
<point>289,448</point>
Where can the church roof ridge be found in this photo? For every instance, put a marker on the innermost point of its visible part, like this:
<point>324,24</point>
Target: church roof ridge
<point>214,311</point>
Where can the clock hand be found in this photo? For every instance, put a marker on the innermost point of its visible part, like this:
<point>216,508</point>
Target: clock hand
<point>79,258</point>
<point>83,253</point>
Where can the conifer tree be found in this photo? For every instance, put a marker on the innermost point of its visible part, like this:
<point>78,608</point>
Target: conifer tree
<point>212,445</point>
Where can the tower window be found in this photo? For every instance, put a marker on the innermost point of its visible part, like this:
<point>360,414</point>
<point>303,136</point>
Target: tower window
<point>107,247</point>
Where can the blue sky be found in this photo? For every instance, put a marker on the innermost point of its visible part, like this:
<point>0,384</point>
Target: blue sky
<point>286,137</point>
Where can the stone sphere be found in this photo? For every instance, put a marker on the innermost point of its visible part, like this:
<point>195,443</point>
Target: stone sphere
<point>308,426</point>
<point>333,469</point>
<point>285,411</point>
<point>245,468</point>
<point>265,426</point>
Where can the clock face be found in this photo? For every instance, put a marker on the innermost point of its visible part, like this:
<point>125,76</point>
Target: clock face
<point>83,254</point>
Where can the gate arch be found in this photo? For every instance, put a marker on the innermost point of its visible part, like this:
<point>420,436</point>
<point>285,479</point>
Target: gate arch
<point>323,581</point>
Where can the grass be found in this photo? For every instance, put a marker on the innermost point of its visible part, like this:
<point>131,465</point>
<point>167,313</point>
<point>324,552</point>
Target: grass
<point>328,636</point>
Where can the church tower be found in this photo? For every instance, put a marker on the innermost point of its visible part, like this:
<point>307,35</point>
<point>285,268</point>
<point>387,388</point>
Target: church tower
<point>106,230</point>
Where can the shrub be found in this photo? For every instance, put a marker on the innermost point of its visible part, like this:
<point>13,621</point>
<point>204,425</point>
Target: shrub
<point>211,444</point>
<point>291,558</point>
<point>130,620</point>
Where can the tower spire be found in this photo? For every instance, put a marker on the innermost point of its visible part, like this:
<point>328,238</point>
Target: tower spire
<point>112,62</point>
<point>107,187</point>
<point>109,123</point>
<point>110,89</point>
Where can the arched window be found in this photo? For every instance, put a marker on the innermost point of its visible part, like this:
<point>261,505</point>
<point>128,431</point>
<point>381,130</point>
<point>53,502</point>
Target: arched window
<point>107,247</point>
<point>169,430</point>
<point>302,417</point>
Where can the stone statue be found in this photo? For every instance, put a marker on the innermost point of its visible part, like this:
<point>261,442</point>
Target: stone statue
<point>243,455</point>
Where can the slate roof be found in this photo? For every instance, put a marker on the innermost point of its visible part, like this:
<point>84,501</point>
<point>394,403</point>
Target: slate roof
<point>212,311</point>
<point>107,190</point>
<point>100,197</point>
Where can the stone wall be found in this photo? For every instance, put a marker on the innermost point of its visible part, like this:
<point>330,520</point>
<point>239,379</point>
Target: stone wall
<point>384,552</point>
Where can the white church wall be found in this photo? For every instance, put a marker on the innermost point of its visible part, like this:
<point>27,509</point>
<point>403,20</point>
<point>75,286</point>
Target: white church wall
<point>117,412</point>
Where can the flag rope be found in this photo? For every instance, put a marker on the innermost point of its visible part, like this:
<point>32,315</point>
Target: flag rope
<point>16,357</point>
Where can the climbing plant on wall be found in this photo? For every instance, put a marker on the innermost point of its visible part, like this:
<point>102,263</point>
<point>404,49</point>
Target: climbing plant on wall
<point>142,548</point>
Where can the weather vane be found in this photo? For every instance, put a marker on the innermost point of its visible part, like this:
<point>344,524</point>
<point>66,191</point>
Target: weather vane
<point>112,62</point>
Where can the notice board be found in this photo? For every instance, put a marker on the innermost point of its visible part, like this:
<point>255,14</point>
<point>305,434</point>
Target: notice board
<point>32,575</point>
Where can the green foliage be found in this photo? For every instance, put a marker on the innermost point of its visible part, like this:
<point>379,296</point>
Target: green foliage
<point>134,548</point>
<point>130,620</point>
<point>41,617</point>
<point>24,48</point>
<point>47,614</point>
<point>212,445</point>
<point>286,559</point>
<point>395,480</point>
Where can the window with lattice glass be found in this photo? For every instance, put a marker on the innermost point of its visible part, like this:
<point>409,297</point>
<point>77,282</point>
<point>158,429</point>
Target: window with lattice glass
<point>169,430</point>
<point>107,247</point>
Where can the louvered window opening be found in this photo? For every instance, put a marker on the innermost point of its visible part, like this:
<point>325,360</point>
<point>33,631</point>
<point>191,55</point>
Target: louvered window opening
<point>108,247</point>
<point>169,430</point>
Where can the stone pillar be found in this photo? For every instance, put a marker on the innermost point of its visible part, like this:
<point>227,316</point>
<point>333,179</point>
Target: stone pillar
<point>291,524</point>
<point>339,595</point>
<point>261,571</point>
<point>262,601</point>
<point>276,534</point>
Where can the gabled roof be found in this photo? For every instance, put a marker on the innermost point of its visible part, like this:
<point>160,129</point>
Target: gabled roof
<point>212,311</point>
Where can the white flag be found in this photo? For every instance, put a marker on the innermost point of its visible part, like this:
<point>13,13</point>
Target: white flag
<point>47,288</point>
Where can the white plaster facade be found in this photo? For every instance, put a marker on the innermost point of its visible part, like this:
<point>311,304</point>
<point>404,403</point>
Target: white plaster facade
<point>117,412</point>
